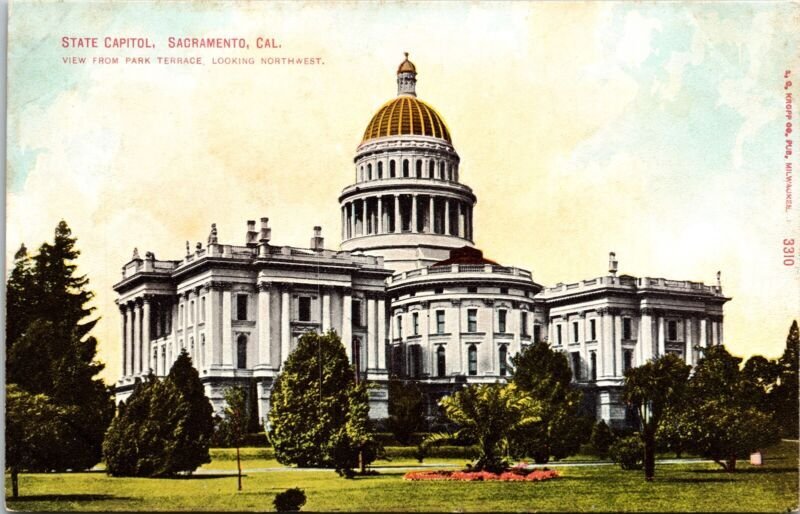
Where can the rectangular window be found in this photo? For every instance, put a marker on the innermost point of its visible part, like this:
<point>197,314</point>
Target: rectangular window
<point>501,321</point>
<point>672,330</point>
<point>627,360</point>
<point>304,308</point>
<point>593,329</point>
<point>575,331</point>
<point>593,365</point>
<point>415,322</point>
<point>626,329</point>
<point>241,307</point>
<point>472,320</point>
<point>399,325</point>
<point>440,322</point>
<point>558,334</point>
<point>523,321</point>
<point>576,365</point>
<point>472,357</point>
<point>355,312</point>
<point>537,333</point>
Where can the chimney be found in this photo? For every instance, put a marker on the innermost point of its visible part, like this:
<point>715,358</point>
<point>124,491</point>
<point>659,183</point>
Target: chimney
<point>612,264</point>
<point>252,236</point>
<point>317,242</point>
<point>719,281</point>
<point>263,238</point>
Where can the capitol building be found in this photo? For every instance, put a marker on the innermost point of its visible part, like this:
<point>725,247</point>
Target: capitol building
<point>407,291</point>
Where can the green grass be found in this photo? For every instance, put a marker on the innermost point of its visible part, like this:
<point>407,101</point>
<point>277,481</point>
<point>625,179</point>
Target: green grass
<point>678,487</point>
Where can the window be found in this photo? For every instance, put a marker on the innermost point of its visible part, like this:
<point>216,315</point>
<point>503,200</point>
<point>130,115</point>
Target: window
<point>593,364</point>
<point>405,167</point>
<point>440,362</point>
<point>438,290</point>
<point>440,322</point>
<point>441,170</point>
<point>419,168</point>
<point>575,331</point>
<point>672,330</point>
<point>501,320</point>
<point>626,328</point>
<point>356,353</point>
<point>369,171</point>
<point>523,321</point>
<point>503,360</point>
<point>416,360</point>
<point>355,312</point>
<point>472,289</point>
<point>241,351</point>
<point>380,169</point>
<point>627,360</point>
<point>164,359</point>
<point>593,329</point>
<point>399,325</point>
<point>392,168</point>
<point>558,334</point>
<point>415,322</point>
<point>503,290</point>
<point>361,174</point>
<point>241,307</point>
<point>472,354</point>
<point>472,320</point>
<point>537,333</point>
<point>304,308</point>
<point>398,360</point>
<point>576,365</point>
<point>431,167</point>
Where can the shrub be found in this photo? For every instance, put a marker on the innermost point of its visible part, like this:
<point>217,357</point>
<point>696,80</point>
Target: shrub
<point>290,500</point>
<point>628,452</point>
<point>601,440</point>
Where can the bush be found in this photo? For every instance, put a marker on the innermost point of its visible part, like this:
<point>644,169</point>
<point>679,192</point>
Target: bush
<point>601,440</point>
<point>290,500</point>
<point>628,452</point>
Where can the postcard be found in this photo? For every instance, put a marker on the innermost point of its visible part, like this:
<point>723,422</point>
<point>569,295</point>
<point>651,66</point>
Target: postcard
<point>342,256</point>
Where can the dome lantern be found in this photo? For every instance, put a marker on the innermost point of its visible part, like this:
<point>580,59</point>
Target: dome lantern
<point>406,78</point>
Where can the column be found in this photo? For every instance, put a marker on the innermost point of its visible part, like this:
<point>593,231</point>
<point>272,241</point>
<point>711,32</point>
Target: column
<point>264,324</point>
<point>372,344</point>
<point>196,349</point>
<point>136,363</point>
<point>397,219</point>
<point>582,331</point>
<point>714,333</point>
<point>326,310</point>
<point>720,340</point>
<point>618,346</point>
<point>123,312</point>
<point>381,346</point>
<point>146,329</point>
<point>344,223</point>
<point>227,328</point>
<point>414,213</point>
<point>460,206</point>
<point>347,323</point>
<point>468,222</point>
<point>607,344</point>
<point>286,328</point>
<point>446,224</point>
<point>431,216</point>
<point>380,214</point>
<point>689,339</point>
<point>661,337</point>
<point>213,340</point>
<point>352,219</point>
<point>704,333</point>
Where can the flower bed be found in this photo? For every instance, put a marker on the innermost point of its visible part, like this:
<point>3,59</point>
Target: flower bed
<point>515,475</point>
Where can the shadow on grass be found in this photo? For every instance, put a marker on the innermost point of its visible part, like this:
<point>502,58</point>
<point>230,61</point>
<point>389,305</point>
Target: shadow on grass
<point>202,476</point>
<point>66,497</point>
<point>747,471</point>
<point>697,480</point>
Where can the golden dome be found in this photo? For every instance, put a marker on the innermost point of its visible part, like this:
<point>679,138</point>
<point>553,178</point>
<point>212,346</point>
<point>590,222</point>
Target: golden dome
<point>406,115</point>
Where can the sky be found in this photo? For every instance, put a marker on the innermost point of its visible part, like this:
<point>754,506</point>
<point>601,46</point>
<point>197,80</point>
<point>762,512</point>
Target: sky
<point>655,130</point>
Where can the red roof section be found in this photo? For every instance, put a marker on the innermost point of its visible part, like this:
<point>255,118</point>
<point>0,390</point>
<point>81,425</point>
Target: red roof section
<point>464,255</point>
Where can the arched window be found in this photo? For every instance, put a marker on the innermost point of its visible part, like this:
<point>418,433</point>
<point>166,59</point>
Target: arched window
<point>450,173</point>
<point>440,362</point>
<point>472,354</point>
<point>392,169</point>
<point>503,354</point>
<point>431,168</point>
<point>380,169</point>
<point>241,352</point>
<point>361,174</point>
<point>369,171</point>
<point>405,167</point>
<point>441,170</point>
<point>419,168</point>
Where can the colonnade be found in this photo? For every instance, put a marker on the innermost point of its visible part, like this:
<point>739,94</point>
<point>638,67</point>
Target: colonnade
<point>411,212</point>
<point>407,167</point>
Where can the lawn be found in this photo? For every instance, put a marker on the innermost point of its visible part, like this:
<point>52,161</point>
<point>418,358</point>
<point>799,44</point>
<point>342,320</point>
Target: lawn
<point>678,487</point>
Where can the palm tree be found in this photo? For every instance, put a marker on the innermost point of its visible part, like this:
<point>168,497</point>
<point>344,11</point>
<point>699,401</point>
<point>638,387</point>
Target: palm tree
<point>488,414</point>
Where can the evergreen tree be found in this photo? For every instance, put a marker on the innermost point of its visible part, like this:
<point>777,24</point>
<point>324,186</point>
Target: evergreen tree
<point>546,376</point>
<point>49,349</point>
<point>784,396</point>
<point>406,410</point>
<point>233,426</point>
<point>195,426</point>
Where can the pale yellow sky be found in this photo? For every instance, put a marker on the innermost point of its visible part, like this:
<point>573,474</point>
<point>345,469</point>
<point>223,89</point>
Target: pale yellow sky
<point>650,130</point>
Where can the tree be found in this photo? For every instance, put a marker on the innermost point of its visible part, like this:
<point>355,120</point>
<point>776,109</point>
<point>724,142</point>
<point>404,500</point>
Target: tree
<point>651,389</point>
<point>406,410</point>
<point>141,440</point>
<point>49,349</point>
<point>195,427</point>
<point>545,375</point>
<point>35,428</point>
<point>724,421</point>
<point>491,415</point>
<point>355,444</point>
<point>784,396</point>
<point>601,439</point>
<point>234,422</point>
<point>310,401</point>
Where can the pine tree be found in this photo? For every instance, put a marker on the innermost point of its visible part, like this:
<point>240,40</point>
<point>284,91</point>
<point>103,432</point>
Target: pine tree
<point>233,426</point>
<point>195,426</point>
<point>49,349</point>
<point>784,396</point>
